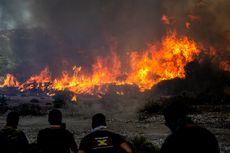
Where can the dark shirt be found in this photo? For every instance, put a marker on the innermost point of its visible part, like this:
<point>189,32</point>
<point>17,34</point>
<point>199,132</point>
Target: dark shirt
<point>191,139</point>
<point>56,140</point>
<point>12,140</point>
<point>101,141</point>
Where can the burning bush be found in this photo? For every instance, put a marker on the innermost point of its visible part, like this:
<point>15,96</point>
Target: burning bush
<point>204,81</point>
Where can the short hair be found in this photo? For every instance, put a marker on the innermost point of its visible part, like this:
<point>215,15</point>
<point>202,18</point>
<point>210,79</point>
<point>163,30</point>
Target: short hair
<point>174,110</point>
<point>98,120</point>
<point>55,117</point>
<point>12,119</point>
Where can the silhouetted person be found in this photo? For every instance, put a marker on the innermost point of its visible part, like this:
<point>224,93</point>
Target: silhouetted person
<point>101,140</point>
<point>186,137</point>
<point>12,140</point>
<point>56,139</point>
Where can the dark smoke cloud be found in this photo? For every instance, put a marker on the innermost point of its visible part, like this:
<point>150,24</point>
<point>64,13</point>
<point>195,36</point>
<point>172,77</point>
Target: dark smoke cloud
<point>62,33</point>
<point>91,27</point>
<point>214,16</point>
<point>90,21</point>
<point>71,32</point>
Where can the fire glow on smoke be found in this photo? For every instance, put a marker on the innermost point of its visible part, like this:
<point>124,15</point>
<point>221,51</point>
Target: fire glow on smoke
<point>145,69</point>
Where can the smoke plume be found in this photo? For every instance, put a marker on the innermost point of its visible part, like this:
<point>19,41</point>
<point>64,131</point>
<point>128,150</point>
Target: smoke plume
<point>61,34</point>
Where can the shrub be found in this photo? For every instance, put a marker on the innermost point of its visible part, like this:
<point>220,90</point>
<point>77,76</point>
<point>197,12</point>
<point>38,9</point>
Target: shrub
<point>61,98</point>
<point>142,145</point>
<point>48,104</point>
<point>28,109</point>
<point>152,107</point>
<point>34,100</point>
<point>59,101</point>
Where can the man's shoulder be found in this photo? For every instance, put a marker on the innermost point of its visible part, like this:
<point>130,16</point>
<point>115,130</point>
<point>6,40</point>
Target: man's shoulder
<point>195,133</point>
<point>196,130</point>
<point>48,131</point>
<point>7,130</point>
<point>44,130</point>
<point>67,133</point>
<point>204,133</point>
<point>12,134</point>
<point>104,132</point>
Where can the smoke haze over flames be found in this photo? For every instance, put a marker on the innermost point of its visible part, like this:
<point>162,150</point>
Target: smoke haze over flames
<point>83,46</point>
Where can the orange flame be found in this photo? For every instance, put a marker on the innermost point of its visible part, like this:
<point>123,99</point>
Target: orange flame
<point>37,81</point>
<point>74,98</point>
<point>165,19</point>
<point>225,65</point>
<point>194,18</point>
<point>145,70</point>
<point>9,81</point>
<point>187,25</point>
<point>153,66</point>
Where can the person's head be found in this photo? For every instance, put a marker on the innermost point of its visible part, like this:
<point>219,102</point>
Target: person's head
<point>98,120</point>
<point>55,117</point>
<point>12,119</point>
<point>174,112</point>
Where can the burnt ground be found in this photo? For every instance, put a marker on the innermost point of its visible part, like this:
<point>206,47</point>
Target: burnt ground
<point>123,119</point>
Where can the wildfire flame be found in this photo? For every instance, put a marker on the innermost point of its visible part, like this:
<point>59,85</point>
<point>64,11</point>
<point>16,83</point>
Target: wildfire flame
<point>165,19</point>
<point>37,81</point>
<point>10,81</point>
<point>155,65</point>
<point>74,98</point>
<point>194,18</point>
<point>187,25</point>
<point>145,69</point>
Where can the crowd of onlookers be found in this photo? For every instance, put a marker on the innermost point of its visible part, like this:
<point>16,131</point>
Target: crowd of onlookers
<point>186,137</point>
